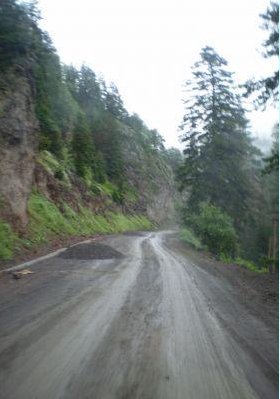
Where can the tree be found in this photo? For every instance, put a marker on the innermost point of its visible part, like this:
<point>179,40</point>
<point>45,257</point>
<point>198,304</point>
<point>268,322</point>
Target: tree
<point>18,30</point>
<point>82,147</point>
<point>114,102</point>
<point>71,78</point>
<point>89,92</point>
<point>136,123</point>
<point>108,141</point>
<point>217,145</point>
<point>157,141</point>
<point>267,89</point>
<point>49,96</point>
<point>272,162</point>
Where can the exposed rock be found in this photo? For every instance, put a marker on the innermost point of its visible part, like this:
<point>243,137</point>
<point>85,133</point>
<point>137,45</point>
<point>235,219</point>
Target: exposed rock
<point>18,143</point>
<point>152,179</point>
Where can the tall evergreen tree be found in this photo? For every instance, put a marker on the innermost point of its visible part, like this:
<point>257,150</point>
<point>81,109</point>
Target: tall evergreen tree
<point>114,103</point>
<point>89,92</point>
<point>83,148</point>
<point>217,144</point>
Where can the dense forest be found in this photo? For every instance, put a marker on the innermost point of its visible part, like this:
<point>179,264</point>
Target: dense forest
<point>232,189</point>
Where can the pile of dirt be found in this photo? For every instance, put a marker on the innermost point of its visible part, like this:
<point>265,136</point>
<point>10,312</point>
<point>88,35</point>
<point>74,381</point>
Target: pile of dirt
<point>91,251</point>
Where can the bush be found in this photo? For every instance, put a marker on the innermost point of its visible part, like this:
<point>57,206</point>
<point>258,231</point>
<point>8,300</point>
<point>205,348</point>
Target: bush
<point>250,265</point>
<point>225,258</point>
<point>187,236</point>
<point>56,168</point>
<point>215,229</point>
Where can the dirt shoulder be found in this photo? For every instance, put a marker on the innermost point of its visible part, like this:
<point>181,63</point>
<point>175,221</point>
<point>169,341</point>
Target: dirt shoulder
<point>258,292</point>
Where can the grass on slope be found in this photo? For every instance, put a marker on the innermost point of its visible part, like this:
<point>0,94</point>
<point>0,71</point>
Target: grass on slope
<point>7,241</point>
<point>47,221</point>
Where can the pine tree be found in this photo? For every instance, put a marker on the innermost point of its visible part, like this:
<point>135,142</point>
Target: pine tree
<point>83,149</point>
<point>217,144</point>
<point>114,103</point>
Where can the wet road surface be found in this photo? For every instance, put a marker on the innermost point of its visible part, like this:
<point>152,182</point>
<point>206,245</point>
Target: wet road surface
<point>130,318</point>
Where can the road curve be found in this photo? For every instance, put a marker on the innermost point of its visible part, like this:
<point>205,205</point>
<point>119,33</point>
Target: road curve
<point>145,323</point>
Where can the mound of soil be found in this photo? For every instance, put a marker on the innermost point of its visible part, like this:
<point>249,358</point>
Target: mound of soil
<point>134,234</point>
<point>91,251</point>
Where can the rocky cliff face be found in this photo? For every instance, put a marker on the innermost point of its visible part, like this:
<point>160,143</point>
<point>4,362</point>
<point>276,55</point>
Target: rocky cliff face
<point>18,142</point>
<point>152,178</point>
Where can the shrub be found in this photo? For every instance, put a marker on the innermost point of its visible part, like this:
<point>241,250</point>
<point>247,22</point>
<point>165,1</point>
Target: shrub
<point>187,236</point>
<point>58,169</point>
<point>215,229</point>
<point>250,265</point>
<point>225,258</point>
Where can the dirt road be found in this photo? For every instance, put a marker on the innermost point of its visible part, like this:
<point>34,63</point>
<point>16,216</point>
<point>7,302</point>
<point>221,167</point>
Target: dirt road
<point>131,316</point>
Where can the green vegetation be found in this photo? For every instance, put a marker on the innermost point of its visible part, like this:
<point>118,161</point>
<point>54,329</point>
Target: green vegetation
<point>250,265</point>
<point>217,145</point>
<point>187,236</point>
<point>47,222</point>
<point>7,241</point>
<point>215,230</point>
<point>231,191</point>
<point>247,264</point>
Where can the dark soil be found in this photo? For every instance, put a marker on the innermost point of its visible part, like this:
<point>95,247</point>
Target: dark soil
<point>91,251</point>
<point>134,233</point>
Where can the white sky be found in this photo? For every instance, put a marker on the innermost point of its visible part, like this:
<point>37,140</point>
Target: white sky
<point>146,47</point>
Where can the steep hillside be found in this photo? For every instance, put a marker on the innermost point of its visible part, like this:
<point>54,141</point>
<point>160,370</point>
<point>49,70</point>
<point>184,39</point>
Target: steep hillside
<point>151,176</point>
<point>73,161</point>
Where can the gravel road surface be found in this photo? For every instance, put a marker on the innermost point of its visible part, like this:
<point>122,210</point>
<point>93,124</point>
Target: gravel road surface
<point>131,316</point>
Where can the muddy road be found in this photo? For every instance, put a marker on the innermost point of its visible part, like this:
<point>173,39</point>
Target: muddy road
<point>131,316</point>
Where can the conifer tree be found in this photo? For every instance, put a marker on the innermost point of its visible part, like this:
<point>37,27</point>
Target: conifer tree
<point>217,145</point>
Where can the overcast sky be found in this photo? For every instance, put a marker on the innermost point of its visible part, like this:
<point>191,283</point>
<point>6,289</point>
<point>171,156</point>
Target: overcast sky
<point>146,47</point>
